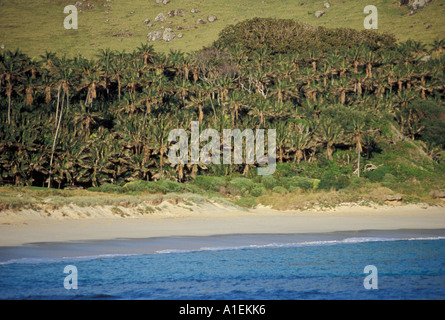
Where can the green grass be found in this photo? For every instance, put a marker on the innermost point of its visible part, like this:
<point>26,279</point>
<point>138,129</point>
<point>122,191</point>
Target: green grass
<point>36,26</point>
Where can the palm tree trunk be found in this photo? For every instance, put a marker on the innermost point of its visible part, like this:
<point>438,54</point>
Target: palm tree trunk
<point>58,101</point>
<point>119,88</point>
<point>358,163</point>
<point>54,143</point>
<point>9,109</point>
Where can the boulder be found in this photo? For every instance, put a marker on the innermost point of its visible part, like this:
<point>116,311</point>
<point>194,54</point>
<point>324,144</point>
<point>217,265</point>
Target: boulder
<point>319,13</point>
<point>327,5</point>
<point>159,1</point>
<point>160,18</point>
<point>194,10</point>
<point>154,35</point>
<point>393,199</point>
<point>165,1</point>
<point>212,18</point>
<point>415,4</point>
<point>176,13</point>
<point>438,194</point>
<point>425,58</point>
<point>180,35</point>
<point>168,34</point>
<point>200,21</point>
<point>146,21</point>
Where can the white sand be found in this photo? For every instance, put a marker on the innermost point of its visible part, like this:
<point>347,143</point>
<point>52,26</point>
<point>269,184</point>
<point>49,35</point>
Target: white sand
<point>76,224</point>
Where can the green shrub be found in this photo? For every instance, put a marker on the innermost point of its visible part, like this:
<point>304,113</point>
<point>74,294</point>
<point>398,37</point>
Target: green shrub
<point>258,191</point>
<point>378,174</point>
<point>166,186</point>
<point>107,187</point>
<point>234,190</point>
<point>269,182</point>
<point>140,185</point>
<point>430,116</point>
<point>163,186</point>
<point>296,37</point>
<point>389,180</point>
<point>298,182</point>
<point>209,183</point>
<point>335,181</point>
<point>243,184</point>
<point>280,190</point>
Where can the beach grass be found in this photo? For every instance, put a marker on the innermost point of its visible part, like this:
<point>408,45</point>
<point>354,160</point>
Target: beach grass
<point>37,26</point>
<point>360,192</point>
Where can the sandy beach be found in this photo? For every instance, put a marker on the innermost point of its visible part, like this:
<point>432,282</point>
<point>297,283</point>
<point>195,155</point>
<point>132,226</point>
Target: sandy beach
<point>101,223</point>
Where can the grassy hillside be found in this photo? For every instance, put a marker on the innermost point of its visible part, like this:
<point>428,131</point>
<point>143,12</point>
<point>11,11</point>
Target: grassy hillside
<point>36,26</point>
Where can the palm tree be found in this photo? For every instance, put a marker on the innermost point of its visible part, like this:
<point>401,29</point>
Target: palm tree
<point>313,57</point>
<point>369,58</point>
<point>146,53</point>
<point>105,56</point>
<point>28,85</point>
<point>197,102</point>
<point>91,79</point>
<point>118,68</point>
<point>355,56</point>
<point>302,141</point>
<point>357,138</point>
<point>65,77</point>
<point>160,132</point>
<point>11,69</point>
<point>282,90</point>
<point>341,87</point>
<point>438,47</point>
<point>329,133</point>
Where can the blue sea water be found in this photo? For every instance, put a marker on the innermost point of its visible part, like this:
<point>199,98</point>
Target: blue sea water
<point>410,265</point>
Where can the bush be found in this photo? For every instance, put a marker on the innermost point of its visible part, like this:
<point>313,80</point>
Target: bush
<point>335,181</point>
<point>431,116</point>
<point>166,186</point>
<point>243,184</point>
<point>281,36</point>
<point>209,183</point>
<point>389,180</point>
<point>163,186</point>
<point>298,182</point>
<point>258,191</point>
<point>107,187</point>
<point>269,182</point>
<point>280,190</point>
<point>378,174</point>
<point>140,185</point>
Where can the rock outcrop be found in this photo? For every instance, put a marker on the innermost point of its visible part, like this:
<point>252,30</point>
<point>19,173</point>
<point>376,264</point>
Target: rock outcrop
<point>161,18</point>
<point>212,18</point>
<point>319,13</point>
<point>415,4</point>
<point>168,35</point>
<point>154,35</point>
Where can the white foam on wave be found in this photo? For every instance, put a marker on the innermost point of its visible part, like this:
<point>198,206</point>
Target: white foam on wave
<point>352,240</point>
<point>63,259</point>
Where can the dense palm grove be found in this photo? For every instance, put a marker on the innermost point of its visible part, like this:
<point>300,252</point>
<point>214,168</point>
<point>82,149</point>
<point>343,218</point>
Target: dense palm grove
<point>90,121</point>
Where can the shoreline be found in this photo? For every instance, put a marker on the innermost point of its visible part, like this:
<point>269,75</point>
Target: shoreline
<point>208,219</point>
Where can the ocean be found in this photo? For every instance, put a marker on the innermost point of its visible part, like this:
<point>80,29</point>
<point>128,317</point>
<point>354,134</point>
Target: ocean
<point>402,264</point>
